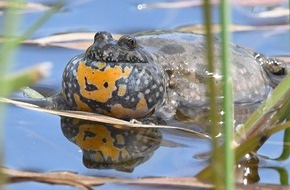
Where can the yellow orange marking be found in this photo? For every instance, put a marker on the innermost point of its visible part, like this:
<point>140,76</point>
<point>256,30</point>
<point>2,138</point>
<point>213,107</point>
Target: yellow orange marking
<point>81,105</point>
<point>96,143</point>
<point>141,110</point>
<point>98,78</point>
<point>122,90</point>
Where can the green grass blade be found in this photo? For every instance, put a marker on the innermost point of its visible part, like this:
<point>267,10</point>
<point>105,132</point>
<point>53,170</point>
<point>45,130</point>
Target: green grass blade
<point>254,124</point>
<point>286,147</point>
<point>24,78</point>
<point>42,19</point>
<point>283,176</point>
<point>217,173</point>
<point>255,141</point>
<point>11,24</point>
<point>227,103</point>
<point>262,124</point>
<point>36,25</point>
<point>9,83</point>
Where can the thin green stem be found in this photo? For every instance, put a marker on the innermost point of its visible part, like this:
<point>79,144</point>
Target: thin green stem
<point>227,102</point>
<point>36,25</point>
<point>42,20</point>
<point>257,121</point>
<point>263,126</point>
<point>11,42</point>
<point>11,24</point>
<point>217,174</point>
<point>286,147</point>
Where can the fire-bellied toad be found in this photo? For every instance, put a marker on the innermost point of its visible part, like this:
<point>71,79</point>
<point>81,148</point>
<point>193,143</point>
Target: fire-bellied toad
<point>162,73</point>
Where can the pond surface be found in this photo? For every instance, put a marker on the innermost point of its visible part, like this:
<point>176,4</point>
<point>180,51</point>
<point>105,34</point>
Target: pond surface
<point>37,141</point>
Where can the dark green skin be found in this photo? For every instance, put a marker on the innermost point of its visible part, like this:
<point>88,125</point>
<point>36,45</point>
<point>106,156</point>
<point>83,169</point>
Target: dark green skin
<point>181,59</point>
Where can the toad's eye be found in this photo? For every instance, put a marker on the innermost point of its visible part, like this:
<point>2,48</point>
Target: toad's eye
<point>131,42</point>
<point>101,36</point>
<point>128,42</point>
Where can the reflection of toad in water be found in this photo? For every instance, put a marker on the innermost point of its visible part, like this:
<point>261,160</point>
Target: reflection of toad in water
<point>107,147</point>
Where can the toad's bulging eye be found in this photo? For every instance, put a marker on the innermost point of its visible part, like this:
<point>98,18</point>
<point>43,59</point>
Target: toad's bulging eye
<point>128,41</point>
<point>131,42</point>
<point>98,36</point>
<point>101,36</point>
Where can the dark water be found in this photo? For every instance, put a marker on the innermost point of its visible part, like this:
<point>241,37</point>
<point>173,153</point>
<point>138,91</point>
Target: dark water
<point>35,141</point>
